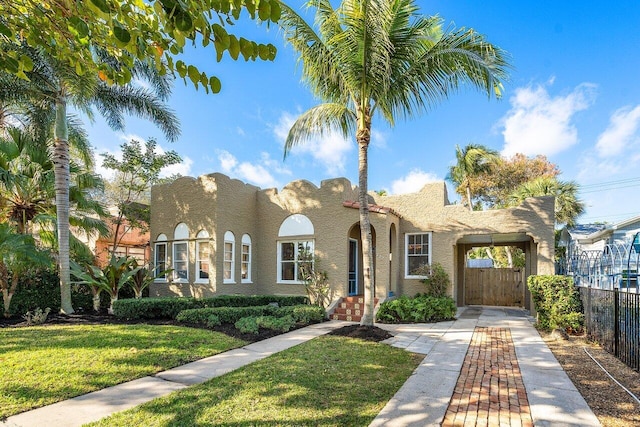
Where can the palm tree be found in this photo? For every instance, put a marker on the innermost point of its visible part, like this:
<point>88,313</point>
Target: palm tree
<point>52,86</point>
<point>568,206</point>
<point>379,56</point>
<point>471,161</point>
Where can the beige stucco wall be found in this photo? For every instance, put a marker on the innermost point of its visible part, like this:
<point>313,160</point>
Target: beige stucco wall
<point>218,204</point>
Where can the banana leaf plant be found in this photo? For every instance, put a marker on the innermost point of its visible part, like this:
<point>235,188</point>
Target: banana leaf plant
<point>144,277</point>
<point>111,278</point>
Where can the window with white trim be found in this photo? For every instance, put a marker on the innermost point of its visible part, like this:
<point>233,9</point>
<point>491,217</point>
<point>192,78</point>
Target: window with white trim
<point>417,253</point>
<point>160,258</point>
<point>229,258</point>
<point>180,253</point>
<point>292,257</point>
<point>203,256</point>
<point>245,261</point>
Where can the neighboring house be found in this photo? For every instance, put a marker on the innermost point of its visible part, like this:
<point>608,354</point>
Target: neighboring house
<point>222,236</point>
<point>132,242</point>
<point>594,237</point>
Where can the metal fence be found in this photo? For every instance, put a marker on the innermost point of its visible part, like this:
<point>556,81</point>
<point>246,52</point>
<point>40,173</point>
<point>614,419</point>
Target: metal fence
<point>612,318</point>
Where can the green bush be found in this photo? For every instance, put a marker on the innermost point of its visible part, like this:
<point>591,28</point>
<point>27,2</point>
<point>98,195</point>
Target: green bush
<point>436,281</point>
<point>280,324</point>
<point>168,308</point>
<point>557,302</point>
<point>248,325</point>
<point>306,314</point>
<point>419,309</point>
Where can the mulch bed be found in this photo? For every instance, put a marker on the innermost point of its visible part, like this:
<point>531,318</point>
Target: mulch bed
<point>368,333</point>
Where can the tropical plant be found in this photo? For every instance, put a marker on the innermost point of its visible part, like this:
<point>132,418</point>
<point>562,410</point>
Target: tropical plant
<point>110,279</point>
<point>471,161</point>
<point>368,57</point>
<point>18,254</point>
<point>53,85</point>
<point>436,280</point>
<point>143,277</point>
<point>568,206</point>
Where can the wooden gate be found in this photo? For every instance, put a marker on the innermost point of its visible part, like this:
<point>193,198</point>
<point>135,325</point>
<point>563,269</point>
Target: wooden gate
<point>494,286</point>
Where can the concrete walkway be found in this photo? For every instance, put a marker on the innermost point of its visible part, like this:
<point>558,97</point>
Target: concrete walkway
<point>422,401</point>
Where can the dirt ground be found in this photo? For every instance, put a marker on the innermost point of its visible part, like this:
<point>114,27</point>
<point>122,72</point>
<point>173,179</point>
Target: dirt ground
<point>609,402</point>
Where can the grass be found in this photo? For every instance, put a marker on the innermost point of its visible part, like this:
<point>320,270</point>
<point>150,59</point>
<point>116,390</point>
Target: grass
<point>46,364</point>
<point>328,381</point>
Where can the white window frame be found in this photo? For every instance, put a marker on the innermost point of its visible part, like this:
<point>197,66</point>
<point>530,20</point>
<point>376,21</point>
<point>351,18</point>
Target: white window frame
<point>245,263</point>
<point>160,241</point>
<point>296,261</point>
<point>175,260</point>
<point>407,255</point>
<point>202,239</point>
<point>229,258</point>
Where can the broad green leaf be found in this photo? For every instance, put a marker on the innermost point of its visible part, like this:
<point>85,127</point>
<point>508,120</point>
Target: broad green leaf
<point>181,68</point>
<point>80,26</point>
<point>234,47</point>
<point>263,51</point>
<point>221,36</point>
<point>10,64</point>
<point>250,5</point>
<point>183,21</point>
<point>5,31</point>
<point>101,4</point>
<point>121,33</point>
<point>26,63</point>
<point>245,48</point>
<point>276,11</point>
<point>194,74</point>
<point>264,10</point>
<point>215,84</point>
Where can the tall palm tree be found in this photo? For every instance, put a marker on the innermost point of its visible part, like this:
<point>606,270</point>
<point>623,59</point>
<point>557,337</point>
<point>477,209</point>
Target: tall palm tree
<point>471,161</point>
<point>380,56</point>
<point>51,88</point>
<point>568,206</point>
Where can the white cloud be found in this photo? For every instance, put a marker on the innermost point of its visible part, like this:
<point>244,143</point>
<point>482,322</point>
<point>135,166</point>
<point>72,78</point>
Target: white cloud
<point>330,149</point>
<point>541,124</point>
<point>413,182</point>
<point>621,133</point>
<point>257,174</point>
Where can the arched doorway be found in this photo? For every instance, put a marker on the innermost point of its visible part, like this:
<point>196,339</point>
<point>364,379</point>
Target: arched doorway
<point>355,277</point>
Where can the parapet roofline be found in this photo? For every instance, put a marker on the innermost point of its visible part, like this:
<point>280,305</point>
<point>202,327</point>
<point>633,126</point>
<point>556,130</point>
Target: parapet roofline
<point>372,208</point>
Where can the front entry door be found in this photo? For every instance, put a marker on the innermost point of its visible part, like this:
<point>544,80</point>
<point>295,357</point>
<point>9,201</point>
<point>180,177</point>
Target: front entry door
<point>353,267</point>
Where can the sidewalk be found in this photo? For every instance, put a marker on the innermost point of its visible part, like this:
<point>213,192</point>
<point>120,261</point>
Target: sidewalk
<point>424,399</point>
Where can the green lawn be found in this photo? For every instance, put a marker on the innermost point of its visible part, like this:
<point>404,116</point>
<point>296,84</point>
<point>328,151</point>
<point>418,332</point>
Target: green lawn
<point>45,364</point>
<point>328,381</point>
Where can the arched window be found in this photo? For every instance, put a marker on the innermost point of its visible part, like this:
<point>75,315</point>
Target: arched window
<point>295,249</point>
<point>181,253</point>
<point>245,267</point>
<point>160,258</point>
<point>229,258</point>
<point>203,256</point>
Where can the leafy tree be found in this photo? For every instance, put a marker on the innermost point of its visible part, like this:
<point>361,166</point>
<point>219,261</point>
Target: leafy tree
<point>568,206</point>
<point>380,56</point>
<point>495,186</point>
<point>18,254</point>
<point>471,161</point>
<point>156,32</point>
<point>51,86</point>
<point>138,170</point>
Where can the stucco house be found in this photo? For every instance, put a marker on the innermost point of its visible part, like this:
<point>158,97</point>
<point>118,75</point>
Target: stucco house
<point>222,236</point>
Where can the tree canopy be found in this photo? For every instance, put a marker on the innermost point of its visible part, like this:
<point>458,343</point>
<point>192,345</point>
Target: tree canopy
<point>152,31</point>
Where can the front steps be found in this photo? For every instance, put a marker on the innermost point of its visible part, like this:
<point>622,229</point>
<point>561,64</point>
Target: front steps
<point>350,309</point>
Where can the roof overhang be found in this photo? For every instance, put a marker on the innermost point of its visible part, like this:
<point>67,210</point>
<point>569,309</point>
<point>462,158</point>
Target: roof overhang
<point>494,239</point>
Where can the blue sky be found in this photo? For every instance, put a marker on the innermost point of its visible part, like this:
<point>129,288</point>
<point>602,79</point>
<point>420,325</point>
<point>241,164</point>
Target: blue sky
<point>573,95</point>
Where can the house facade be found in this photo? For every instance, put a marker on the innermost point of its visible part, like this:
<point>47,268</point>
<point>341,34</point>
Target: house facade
<point>222,236</point>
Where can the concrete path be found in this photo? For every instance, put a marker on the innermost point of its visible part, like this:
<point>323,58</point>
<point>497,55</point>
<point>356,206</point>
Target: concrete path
<point>423,400</point>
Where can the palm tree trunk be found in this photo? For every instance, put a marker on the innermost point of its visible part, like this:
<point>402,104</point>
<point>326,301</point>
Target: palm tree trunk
<point>60,159</point>
<point>469,197</point>
<point>363,137</point>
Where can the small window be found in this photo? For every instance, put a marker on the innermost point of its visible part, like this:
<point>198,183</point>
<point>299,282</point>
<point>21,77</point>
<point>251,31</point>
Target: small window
<point>203,256</point>
<point>417,253</point>
<point>245,267</point>
<point>229,257</point>
<point>160,258</point>
<point>180,262</point>
<point>293,258</point>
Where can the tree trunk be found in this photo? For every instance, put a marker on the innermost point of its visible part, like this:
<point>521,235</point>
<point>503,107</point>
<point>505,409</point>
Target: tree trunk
<point>113,299</point>
<point>6,299</point>
<point>363,137</point>
<point>60,160</point>
<point>469,198</point>
<point>507,250</point>
<point>96,299</point>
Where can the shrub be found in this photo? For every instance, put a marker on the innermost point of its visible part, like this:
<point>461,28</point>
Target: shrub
<point>436,279</point>
<point>38,317</point>
<point>251,300</point>
<point>421,308</point>
<point>303,313</point>
<point>152,308</point>
<point>280,324</point>
<point>248,325</point>
<point>557,302</point>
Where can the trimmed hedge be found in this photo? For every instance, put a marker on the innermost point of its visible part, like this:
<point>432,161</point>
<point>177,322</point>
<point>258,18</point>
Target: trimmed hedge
<point>299,313</point>
<point>419,309</point>
<point>168,308</point>
<point>557,302</point>
<point>252,325</point>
